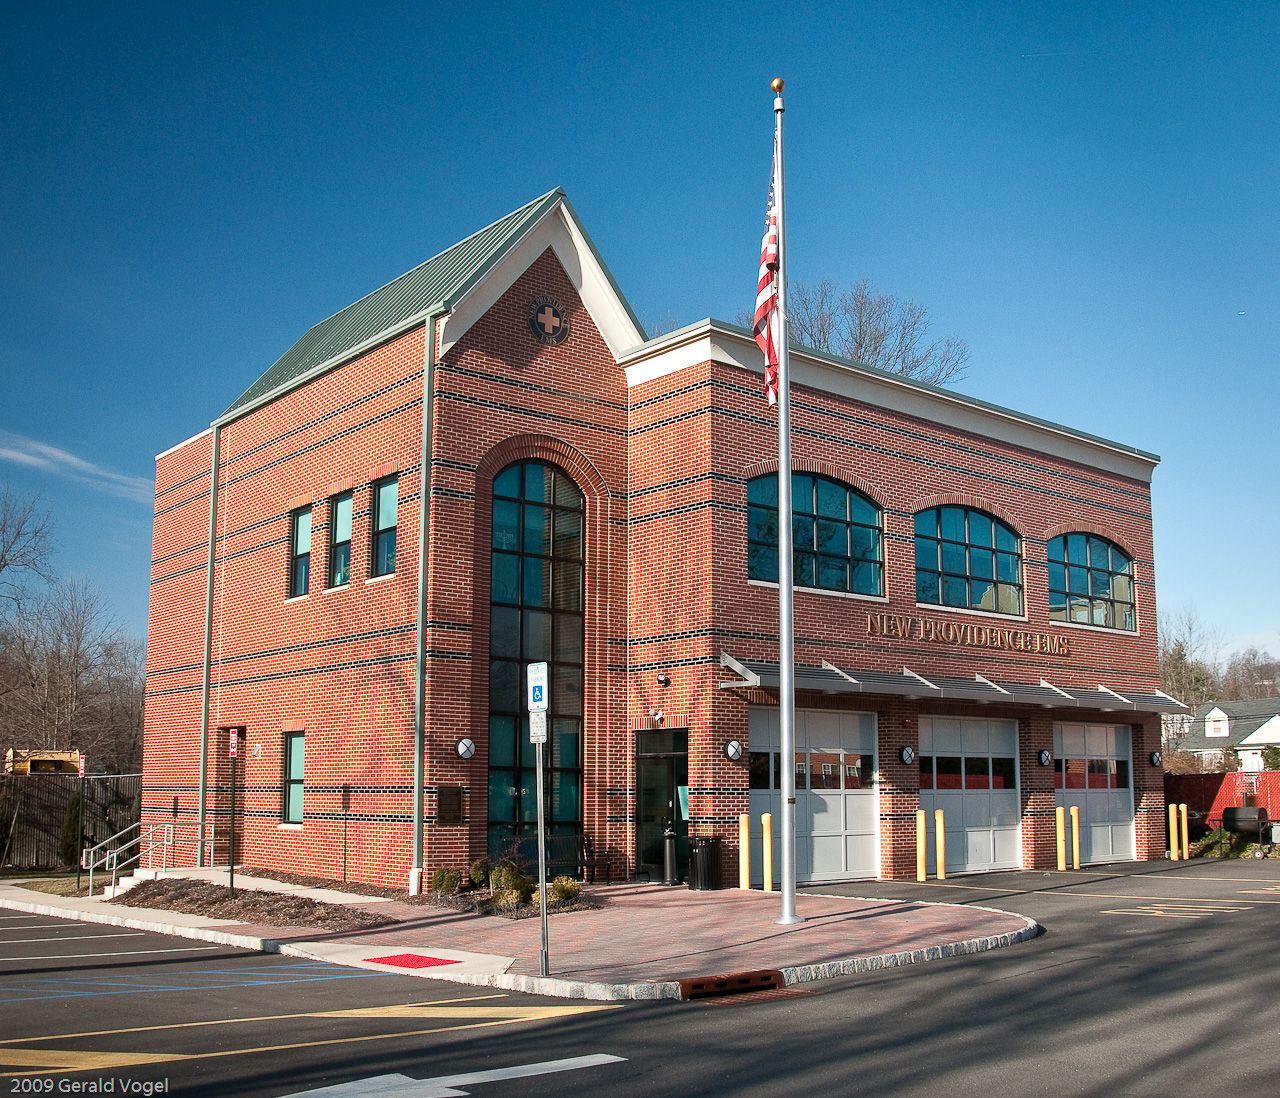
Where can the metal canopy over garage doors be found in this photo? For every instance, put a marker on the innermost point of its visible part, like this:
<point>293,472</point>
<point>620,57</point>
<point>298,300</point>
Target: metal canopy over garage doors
<point>837,806</point>
<point>969,769</point>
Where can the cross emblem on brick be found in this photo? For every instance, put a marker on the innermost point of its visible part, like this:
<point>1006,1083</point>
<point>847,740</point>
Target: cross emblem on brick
<point>548,319</point>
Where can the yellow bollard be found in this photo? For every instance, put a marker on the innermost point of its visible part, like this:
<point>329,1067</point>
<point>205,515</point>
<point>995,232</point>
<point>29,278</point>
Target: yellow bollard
<point>744,852</point>
<point>940,843</point>
<point>1173,833</point>
<point>1075,836</point>
<point>922,860</point>
<point>766,829</point>
<point>1186,845</point>
<point>1060,825</point>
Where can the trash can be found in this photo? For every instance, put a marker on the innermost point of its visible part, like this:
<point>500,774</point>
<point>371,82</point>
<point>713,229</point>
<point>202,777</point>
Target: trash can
<point>704,862</point>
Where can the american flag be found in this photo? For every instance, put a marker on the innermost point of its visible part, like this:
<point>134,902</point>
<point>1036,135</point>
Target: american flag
<point>767,292</point>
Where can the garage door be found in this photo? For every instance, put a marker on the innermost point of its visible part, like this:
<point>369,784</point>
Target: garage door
<point>837,807</point>
<point>1092,773</point>
<point>969,769</point>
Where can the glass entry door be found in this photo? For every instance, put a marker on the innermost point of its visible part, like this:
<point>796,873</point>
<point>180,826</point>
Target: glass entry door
<point>662,792</point>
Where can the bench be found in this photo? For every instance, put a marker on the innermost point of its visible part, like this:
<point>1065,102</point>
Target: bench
<point>574,852</point>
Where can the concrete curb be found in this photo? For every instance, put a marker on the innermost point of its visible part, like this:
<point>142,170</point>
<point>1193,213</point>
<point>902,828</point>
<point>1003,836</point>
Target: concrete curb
<point>550,986</point>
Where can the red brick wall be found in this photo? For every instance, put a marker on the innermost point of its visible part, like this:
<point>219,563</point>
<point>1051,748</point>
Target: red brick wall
<point>663,467</point>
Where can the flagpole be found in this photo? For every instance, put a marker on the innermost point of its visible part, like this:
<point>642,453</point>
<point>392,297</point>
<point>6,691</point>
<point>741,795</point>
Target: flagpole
<point>786,564</point>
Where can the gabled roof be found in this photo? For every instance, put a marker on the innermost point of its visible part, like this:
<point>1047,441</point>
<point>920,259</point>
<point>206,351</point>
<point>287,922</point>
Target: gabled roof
<point>436,285</point>
<point>1243,719</point>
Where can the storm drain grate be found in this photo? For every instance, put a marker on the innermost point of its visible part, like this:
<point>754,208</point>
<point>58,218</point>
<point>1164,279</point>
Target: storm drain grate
<point>737,983</point>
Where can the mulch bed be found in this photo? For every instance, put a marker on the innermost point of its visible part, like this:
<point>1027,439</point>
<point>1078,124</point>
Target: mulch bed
<point>248,906</point>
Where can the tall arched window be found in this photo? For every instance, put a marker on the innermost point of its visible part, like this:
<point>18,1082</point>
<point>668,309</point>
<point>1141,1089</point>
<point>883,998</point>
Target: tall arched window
<point>535,614</point>
<point>968,559</point>
<point>836,534</point>
<point>1090,582</point>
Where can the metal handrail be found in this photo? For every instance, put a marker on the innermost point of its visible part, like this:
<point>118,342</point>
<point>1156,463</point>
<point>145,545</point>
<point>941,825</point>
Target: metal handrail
<point>146,843</point>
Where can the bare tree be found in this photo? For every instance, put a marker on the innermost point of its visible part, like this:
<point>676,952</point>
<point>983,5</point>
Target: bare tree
<point>25,533</point>
<point>874,329</point>
<point>71,678</point>
<point>1190,658</point>
<point>1251,675</point>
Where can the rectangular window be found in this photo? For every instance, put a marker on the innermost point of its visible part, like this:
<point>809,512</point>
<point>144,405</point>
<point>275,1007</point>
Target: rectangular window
<point>383,556</point>
<point>291,784</point>
<point>340,540</point>
<point>300,552</point>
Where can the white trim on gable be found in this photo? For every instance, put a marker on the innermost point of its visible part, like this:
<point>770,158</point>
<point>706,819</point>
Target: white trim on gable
<point>1265,734</point>
<point>558,230</point>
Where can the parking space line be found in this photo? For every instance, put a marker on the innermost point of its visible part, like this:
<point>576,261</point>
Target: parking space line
<point>1161,910</point>
<point>118,953</point>
<point>73,937</point>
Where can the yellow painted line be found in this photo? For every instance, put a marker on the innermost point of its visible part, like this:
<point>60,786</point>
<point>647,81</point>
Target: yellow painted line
<point>43,1061</point>
<point>1115,895</point>
<point>36,1060</point>
<point>446,1008</point>
<point>1177,910</point>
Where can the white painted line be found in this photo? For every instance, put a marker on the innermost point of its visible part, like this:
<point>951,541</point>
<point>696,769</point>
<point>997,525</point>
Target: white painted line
<point>72,938</point>
<point>39,926</point>
<point>446,1086</point>
<point>117,953</point>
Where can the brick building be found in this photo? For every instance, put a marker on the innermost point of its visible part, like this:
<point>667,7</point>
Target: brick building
<point>974,613</point>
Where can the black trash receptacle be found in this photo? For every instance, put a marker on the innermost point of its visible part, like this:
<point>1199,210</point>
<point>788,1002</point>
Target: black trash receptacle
<point>704,862</point>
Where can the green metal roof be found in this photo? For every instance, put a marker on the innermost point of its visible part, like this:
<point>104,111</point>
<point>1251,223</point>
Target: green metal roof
<point>434,284</point>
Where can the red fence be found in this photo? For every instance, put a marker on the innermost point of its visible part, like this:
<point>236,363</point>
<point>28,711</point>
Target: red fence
<point>1211,793</point>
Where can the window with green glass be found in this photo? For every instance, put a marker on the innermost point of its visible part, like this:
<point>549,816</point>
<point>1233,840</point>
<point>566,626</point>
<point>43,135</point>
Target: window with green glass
<point>291,785</point>
<point>968,559</point>
<point>535,615</point>
<point>1090,582</point>
<point>299,552</point>
<point>837,544</point>
<point>382,556</point>
<point>340,540</point>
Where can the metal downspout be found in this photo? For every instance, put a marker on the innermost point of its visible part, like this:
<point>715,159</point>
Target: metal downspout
<point>420,659</point>
<point>208,644</point>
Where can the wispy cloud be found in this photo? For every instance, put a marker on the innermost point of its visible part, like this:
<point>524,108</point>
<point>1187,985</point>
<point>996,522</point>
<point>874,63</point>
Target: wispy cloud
<point>50,459</point>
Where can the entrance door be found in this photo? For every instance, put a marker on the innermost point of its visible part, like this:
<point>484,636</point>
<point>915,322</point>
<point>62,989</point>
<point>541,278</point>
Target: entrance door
<point>969,769</point>
<point>1092,768</point>
<point>837,808</point>
<point>662,792</point>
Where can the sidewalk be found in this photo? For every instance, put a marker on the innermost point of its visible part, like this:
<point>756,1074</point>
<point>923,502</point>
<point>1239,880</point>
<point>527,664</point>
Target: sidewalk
<point>637,945</point>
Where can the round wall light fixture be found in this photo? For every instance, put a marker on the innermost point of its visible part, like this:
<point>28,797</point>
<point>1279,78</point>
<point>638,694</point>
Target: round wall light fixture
<point>907,755</point>
<point>733,750</point>
<point>1156,758</point>
<point>465,748</point>
<point>1046,756</point>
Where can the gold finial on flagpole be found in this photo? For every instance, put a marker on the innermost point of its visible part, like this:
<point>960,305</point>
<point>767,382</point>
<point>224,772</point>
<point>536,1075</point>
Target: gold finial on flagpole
<point>777,85</point>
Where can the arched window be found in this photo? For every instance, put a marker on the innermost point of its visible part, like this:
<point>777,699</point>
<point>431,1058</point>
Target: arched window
<point>836,534</point>
<point>968,559</point>
<point>535,614</point>
<point>1090,582</point>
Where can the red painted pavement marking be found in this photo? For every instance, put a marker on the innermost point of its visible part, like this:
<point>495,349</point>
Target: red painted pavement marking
<point>410,960</point>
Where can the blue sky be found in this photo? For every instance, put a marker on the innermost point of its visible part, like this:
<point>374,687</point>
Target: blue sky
<point>1084,192</point>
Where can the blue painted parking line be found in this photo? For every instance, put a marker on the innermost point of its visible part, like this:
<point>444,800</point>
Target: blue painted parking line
<point>29,990</point>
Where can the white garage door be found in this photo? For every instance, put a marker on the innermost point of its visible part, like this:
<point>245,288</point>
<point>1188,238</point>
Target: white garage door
<point>969,769</point>
<point>1092,772</point>
<point>837,807</point>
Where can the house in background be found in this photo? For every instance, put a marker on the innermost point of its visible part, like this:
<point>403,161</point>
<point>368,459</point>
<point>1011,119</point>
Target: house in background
<point>1247,727</point>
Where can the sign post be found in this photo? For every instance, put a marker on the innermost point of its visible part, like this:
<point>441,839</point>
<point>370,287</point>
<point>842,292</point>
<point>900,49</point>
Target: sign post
<point>234,732</point>
<point>537,682</point>
<point>80,826</point>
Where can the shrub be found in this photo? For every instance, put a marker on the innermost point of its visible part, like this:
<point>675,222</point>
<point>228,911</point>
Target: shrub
<point>478,872</point>
<point>509,878</point>
<point>510,897</point>
<point>446,879</point>
<point>565,888</point>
